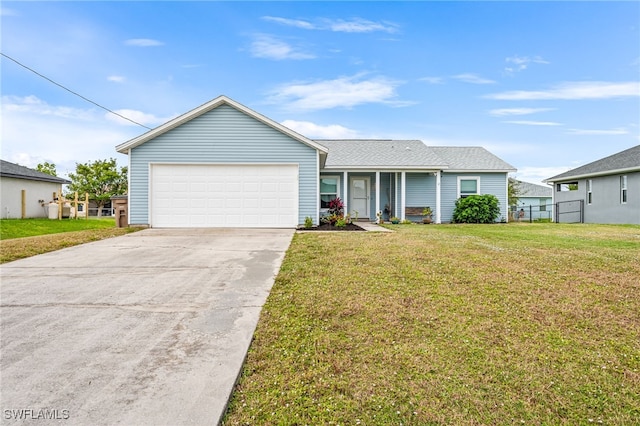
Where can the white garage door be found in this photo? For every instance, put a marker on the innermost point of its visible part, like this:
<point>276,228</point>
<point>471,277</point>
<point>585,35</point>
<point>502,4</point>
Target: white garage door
<point>202,195</point>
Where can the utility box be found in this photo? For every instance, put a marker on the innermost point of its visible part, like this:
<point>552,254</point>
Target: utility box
<point>120,205</point>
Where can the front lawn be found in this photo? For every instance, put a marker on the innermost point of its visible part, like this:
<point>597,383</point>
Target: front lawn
<point>452,324</point>
<point>20,238</point>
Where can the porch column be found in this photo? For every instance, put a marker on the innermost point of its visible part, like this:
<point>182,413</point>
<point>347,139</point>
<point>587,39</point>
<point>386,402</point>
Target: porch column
<point>377,193</point>
<point>345,185</point>
<point>395,199</point>
<point>403,192</point>
<point>438,196</point>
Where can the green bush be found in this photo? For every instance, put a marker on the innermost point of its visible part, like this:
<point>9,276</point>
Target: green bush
<point>476,209</point>
<point>308,222</point>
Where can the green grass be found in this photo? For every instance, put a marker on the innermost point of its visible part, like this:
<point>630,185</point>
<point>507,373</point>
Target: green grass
<point>20,238</point>
<point>454,324</point>
<point>20,228</point>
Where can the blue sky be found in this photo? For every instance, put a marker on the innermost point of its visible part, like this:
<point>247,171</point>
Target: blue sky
<point>546,86</point>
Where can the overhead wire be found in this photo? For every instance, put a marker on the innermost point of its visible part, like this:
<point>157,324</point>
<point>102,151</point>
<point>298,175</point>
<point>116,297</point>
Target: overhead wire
<point>73,92</point>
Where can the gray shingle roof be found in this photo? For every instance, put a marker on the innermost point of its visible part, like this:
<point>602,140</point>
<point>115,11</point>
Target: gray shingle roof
<point>381,153</point>
<point>532,190</point>
<point>627,160</point>
<point>470,158</point>
<point>16,171</point>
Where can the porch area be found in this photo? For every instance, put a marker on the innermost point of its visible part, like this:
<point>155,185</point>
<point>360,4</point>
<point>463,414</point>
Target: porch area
<point>389,193</point>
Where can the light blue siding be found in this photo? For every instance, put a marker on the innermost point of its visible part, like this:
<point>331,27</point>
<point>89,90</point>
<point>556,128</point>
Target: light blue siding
<point>420,192</point>
<point>490,183</point>
<point>222,135</point>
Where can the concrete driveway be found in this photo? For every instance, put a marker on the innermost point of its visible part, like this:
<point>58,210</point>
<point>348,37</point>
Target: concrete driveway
<point>148,328</point>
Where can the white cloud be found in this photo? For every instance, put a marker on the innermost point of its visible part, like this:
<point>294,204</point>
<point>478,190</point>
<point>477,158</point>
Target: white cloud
<point>143,42</point>
<point>619,131</point>
<point>360,26</point>
<point>472,78</point>
<point>534,123</point>
<point>343,92</point>
<point>501,112</point>
<point>574,91</point>
<point>355,25</point>
<point>433,80</point>
<point>269,47</point>
<point>298,23</point>
<point>521,63</point>
<point>32,105</point>
<point>34,131</point>
<point>534,174</point>
<point>149,120</point>
<point>312,130</point>
<point>116,78</point>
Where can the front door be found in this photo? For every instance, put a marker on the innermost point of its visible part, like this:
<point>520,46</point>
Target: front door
<point>359,197</point>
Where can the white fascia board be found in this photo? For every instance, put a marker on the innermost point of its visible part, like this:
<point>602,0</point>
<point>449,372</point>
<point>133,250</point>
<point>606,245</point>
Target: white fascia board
<point>196,112</point>
<point>479,171</point>
<point>372,169</point>
<point>551,181</point>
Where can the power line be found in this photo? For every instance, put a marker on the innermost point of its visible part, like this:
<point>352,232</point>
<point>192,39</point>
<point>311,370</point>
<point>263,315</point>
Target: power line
<point>71,91</point>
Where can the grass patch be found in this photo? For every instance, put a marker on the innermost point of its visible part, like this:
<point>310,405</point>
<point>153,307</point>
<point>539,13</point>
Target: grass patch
<point>21,238</point>
<point>20,228</point>
<point>454,324</point>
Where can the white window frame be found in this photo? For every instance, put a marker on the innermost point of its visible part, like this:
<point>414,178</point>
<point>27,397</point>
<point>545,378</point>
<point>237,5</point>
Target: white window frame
<point>589,191</point>
<point>337,177</point>
<point>623,189</point>
<point>476,178</point>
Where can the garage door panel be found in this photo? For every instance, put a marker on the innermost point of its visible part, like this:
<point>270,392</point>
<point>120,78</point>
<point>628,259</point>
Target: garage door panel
<point>184,195</point>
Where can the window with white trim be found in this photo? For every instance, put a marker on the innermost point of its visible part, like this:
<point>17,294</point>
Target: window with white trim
<point>468,186</point>
<point>543,204</point>
<point>329,190</point>
<point>623,189</point>
<point>589,190</point>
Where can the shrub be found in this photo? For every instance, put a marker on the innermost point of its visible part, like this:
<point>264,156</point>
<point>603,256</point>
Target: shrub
<point>336,207</point>
<point>341,223</point>
<point>308,222</point>
<point>476,209</point>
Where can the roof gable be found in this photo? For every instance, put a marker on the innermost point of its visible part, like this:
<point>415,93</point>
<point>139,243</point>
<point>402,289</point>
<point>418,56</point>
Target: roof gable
<point>627,160</point>
<point>16,171</point>
<point>202,109</point>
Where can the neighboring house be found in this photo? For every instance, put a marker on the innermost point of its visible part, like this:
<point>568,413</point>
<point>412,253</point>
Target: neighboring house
<point>24,191</point>
<point>604,191</point>
<point>225,165</point>
<point>536,201</point>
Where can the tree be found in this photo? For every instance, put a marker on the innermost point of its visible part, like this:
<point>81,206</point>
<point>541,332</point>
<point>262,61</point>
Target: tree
<point>476,209</point>
<point>48,168</point>
<point>101,179</point>
<point>513,191</point>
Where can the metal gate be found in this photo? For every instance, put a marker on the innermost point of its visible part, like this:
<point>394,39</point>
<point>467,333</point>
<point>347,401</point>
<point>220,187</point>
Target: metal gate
<point>570,211</point>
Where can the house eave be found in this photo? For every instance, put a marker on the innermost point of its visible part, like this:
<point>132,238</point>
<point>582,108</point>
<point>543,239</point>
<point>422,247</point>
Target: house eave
<point>480,171</point>
<point>385,168</point>
<point>125,147</point>
<point>55,180</point>
<point>594,174</point>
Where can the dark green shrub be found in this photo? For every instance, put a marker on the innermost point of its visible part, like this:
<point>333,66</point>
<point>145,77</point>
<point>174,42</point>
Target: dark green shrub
<point>477,209</point>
